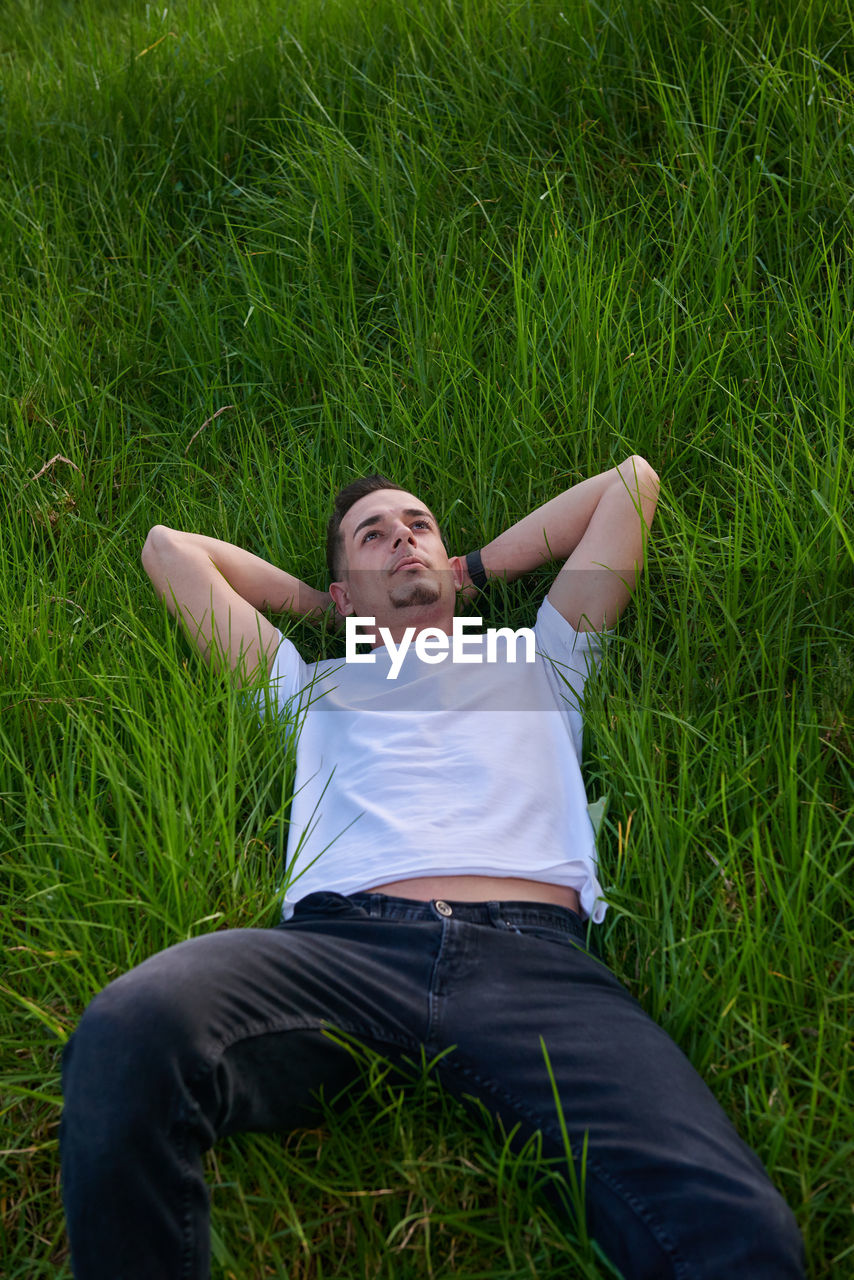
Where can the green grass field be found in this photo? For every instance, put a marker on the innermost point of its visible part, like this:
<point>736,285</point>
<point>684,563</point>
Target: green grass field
<point>488,249</point>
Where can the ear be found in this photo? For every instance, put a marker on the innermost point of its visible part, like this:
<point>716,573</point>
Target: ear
<point>340,593</point>
<point>460,572</point>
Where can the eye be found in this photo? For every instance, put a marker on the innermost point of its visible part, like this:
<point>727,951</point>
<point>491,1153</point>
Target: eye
<point>372,533</point>
<point>425,524</point>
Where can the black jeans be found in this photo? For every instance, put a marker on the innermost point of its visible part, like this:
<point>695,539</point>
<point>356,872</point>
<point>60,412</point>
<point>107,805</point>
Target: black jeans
<point>224,1033</point>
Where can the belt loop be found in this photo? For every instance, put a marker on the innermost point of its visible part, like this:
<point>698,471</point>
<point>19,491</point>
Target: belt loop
<point>496,918</point>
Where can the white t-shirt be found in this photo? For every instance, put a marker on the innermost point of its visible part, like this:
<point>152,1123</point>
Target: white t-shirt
<point>449,769</point>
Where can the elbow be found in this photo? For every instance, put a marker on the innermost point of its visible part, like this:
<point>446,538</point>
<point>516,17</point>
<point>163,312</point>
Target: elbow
<point>639,477</point>
<point>637,466</point>
<point>156,544</point>
<point>642,484</point>
<point>649,486</point>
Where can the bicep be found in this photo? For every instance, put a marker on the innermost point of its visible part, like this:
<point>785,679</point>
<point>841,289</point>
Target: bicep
<point>598,579</point>
<point>226,629</point>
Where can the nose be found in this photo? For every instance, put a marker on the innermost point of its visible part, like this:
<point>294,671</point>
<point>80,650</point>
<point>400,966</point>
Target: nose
<point>402,533</point>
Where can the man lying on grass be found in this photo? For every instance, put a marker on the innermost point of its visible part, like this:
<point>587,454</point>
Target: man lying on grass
<point>441,867</point>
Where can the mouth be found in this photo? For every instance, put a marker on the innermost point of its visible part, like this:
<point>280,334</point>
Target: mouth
<point>409,563</point>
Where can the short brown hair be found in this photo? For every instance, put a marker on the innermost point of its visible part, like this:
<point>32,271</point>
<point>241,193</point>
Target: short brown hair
<point>344,499</point>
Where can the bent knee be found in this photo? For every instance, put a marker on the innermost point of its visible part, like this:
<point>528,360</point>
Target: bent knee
<point>129,1035</point>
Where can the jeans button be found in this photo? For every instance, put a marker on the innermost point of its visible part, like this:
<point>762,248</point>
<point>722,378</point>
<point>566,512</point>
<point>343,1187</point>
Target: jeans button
<point>442,908</point>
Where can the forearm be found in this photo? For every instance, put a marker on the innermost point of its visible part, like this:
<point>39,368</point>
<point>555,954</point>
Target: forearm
<point>173,558</point>
<point>554,530</point>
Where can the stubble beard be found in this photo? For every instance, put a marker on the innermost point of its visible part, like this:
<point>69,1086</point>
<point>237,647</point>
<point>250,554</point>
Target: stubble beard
<point>410,594</point>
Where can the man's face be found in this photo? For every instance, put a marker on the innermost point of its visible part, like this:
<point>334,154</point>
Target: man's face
<point>397,568</point>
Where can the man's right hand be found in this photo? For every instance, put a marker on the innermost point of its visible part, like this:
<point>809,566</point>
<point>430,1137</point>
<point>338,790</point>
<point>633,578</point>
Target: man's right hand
<point>217,591</point>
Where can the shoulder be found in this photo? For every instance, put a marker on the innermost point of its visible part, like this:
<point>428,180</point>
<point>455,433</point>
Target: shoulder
<point>556,636</point>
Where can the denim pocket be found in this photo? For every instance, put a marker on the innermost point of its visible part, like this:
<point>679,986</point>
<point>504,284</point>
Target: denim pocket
<point>567,936</point>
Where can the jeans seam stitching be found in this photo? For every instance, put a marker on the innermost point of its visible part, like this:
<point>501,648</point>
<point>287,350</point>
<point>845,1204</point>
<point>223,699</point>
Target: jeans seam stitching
<point>433,997</point>
<point>186,1174</point>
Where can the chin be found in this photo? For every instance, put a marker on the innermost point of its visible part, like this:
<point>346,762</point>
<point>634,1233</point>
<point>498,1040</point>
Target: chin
<point>412,594</point>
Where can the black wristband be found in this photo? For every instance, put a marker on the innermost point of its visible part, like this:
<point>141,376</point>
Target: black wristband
<point>477,573</point>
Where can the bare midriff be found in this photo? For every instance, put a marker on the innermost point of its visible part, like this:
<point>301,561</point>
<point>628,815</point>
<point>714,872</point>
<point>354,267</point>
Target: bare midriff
<point>480,889</point>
